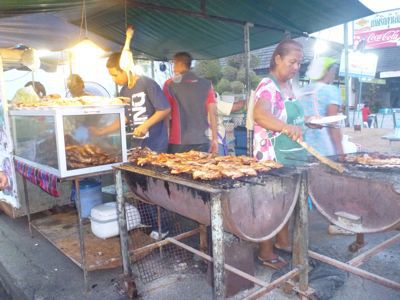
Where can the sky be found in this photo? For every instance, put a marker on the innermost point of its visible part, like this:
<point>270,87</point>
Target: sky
<point>381,5</point>
<point>335,34</point>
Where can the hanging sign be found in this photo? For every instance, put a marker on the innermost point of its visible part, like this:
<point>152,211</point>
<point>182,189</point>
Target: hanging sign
<point>361,65</point>
<point>381,30</point>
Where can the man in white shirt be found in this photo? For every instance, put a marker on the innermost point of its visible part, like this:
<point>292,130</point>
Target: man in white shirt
<point>225,108</point>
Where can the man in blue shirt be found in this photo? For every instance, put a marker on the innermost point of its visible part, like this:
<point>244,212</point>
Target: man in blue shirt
<point>145,119</point>
<point>148,106</point>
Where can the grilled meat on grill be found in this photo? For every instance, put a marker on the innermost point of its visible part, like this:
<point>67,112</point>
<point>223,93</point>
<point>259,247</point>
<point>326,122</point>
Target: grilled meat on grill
<point>373,159</point>
<point>205,166</point>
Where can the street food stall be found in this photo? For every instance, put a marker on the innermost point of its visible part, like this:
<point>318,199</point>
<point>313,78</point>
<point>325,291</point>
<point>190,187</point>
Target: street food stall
<point>194,26</point>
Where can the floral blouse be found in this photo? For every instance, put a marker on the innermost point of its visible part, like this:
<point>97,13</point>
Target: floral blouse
<point>263,148</point>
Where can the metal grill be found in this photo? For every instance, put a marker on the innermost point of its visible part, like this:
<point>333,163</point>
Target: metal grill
<point>153,259</point>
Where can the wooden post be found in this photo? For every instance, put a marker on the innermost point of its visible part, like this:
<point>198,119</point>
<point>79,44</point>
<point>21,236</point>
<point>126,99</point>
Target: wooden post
<point>217,233</point>
<point>300,239</point>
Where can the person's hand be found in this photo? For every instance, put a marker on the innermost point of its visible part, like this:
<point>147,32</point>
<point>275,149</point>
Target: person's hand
<point>292,131</point>
<point>310,124</point>
<point>3,180</point>
<point>238,105</point>
<point>141,130</point>
<point>314,126</point>
<point>95,131</point>
<point>214,146</point>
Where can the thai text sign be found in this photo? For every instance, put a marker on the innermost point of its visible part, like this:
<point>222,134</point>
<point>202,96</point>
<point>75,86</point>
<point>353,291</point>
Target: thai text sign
<point>361,65</point>
<point>378,31</point>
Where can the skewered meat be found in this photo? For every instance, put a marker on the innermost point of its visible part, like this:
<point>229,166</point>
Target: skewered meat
<point>205,166</point>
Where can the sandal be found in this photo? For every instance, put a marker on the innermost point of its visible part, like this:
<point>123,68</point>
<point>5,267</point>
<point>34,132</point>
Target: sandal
<point>275,263</point>
<point>283,249</point>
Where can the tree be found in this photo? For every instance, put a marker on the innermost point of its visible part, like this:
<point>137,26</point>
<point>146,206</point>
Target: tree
<point>371,94</point>
<point>223,86</point>
<point>231,77</point>
<point>209,69</point>
<point>229,72</point>
<point>237,87</point>
<point>238,61</point>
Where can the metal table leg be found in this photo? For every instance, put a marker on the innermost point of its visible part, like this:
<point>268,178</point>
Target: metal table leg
<point>127,280</point>
<point>300,239</point>
<point>217,246</point>
<point>28,210</point>
<point>81,233</point>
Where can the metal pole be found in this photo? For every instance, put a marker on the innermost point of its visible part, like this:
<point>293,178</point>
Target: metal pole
<point>300,238</point>
<point>70,61</point>
<point>28,211</point>
<point>357,104</point>
<point>203,238</point>
<point>217,233</point>
<point>159,229</point>
<point>152,69</point>
<point>247,56</point>
<point>123,232</point>
<point>346,73</point>
<point>273,285</point>
<point>81,233</point>
<point>354,270</point>
<point>265,286</point>
<point>359,260</point>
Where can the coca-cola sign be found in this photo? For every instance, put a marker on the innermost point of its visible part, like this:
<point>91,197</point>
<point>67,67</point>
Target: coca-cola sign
<point>378,31</point>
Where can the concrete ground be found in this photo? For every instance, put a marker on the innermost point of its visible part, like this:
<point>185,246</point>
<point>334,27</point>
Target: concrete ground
<point>32,268</point>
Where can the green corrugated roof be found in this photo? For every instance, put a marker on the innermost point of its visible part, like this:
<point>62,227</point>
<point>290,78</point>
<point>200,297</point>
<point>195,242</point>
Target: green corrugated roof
<point>163,27</point>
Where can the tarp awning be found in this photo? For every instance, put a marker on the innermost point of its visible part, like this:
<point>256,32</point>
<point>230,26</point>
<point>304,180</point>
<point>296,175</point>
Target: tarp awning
<point>207,29</point>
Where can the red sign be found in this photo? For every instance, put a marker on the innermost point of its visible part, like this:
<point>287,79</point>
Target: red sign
<point>378,31</point>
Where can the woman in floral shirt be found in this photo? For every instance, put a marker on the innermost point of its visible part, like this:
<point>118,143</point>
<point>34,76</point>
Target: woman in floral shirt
<point>278,124</point>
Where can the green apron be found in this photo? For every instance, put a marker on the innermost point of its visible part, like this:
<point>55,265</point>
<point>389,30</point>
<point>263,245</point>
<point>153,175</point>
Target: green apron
<point>287,151</point>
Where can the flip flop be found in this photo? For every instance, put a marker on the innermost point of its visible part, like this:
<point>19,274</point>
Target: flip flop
<point>283,249</point>
<point>275,263</point>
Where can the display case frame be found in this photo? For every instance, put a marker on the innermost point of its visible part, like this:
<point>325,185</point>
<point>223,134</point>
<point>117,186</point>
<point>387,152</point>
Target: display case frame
<point>58,113</point>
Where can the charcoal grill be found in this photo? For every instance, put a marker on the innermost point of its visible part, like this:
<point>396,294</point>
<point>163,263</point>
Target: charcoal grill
<point>364,199</point>
<point>253,208</point>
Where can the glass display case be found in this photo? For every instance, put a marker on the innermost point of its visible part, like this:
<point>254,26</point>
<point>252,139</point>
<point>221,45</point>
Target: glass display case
<point>68,141</point>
